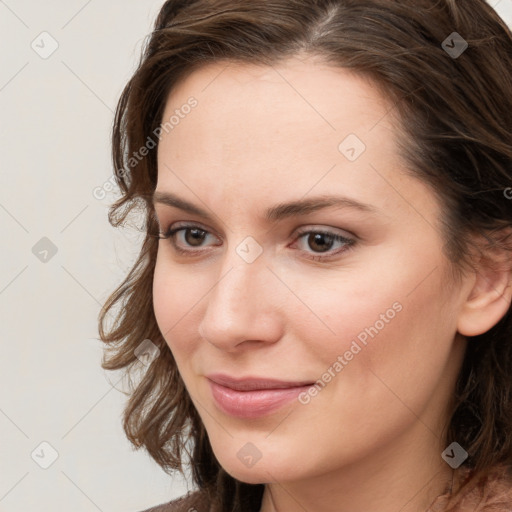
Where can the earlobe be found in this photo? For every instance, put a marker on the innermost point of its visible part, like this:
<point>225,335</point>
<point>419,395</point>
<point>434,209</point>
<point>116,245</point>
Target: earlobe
<point>489,298</point>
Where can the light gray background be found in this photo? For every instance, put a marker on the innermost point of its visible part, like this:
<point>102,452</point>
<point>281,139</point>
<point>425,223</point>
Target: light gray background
<point>55,120</point>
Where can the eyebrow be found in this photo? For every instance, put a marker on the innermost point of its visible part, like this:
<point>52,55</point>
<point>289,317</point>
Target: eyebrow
<point>276,212</point>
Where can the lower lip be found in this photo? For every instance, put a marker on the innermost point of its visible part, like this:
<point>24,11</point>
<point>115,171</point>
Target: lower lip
<point>253,404</point>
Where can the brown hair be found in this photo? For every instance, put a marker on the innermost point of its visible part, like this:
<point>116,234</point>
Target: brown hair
<point>457,113</point>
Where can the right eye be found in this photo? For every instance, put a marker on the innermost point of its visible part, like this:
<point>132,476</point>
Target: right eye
<point>186,236</point>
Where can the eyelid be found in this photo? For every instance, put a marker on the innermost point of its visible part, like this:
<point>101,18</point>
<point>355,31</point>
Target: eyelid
<point>174,226</point>
<point>327,230</point>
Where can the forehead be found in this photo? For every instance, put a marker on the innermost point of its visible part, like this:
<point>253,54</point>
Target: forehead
<point>293,108</point>
<point>306,86</point>
<point>271,131</point>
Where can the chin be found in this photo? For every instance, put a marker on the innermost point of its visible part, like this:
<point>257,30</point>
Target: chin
<point>249,477</point>
<point>269,468</point>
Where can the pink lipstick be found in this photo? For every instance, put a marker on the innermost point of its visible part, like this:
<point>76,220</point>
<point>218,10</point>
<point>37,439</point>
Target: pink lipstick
<point>253,397</point>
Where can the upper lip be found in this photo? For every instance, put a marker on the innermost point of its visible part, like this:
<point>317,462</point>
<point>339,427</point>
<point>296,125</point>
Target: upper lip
<point>254,383</point>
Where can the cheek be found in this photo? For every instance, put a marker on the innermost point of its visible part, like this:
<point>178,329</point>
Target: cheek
<point>175,301</point>
<point>336,309</point>
<point>391,319</point>
<point>385,363</point>
<point>395,347</point>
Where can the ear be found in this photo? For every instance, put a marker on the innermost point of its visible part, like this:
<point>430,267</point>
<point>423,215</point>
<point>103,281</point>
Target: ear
<point>490,293</point>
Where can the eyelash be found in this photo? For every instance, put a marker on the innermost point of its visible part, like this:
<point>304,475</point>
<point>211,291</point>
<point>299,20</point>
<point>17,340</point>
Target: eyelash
<point>348,242</point>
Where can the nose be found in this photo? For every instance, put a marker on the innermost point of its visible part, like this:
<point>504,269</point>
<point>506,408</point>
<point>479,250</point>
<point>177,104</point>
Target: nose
<point>242,308</point>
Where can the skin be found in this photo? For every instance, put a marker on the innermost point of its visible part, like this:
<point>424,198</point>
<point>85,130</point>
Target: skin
<point>372,437</point>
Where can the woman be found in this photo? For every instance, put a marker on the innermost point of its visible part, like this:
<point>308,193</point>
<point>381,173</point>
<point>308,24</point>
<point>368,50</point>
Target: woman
<point>321,304</point>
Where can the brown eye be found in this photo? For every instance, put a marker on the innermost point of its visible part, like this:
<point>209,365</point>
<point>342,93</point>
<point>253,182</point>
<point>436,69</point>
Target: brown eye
<point>318,245</point>
<point>185,239</point>
<point>194,236</point>
<point>320,242</point>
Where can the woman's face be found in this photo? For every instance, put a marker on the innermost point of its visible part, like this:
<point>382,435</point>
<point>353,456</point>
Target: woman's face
<point>273,164</point>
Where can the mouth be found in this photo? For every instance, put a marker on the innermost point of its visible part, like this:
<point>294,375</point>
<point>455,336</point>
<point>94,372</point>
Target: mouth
<point>253,397</point>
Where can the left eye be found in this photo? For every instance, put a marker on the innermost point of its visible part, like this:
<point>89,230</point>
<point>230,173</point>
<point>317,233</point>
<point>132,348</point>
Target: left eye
<point>322,241</point>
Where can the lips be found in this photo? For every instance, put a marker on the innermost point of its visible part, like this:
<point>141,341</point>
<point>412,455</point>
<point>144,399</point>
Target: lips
<point>253,397</point>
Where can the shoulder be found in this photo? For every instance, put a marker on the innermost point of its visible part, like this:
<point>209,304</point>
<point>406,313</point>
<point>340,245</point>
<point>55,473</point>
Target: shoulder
<point>497,494</point>
<point>195,501</point>
<point>489,493</point>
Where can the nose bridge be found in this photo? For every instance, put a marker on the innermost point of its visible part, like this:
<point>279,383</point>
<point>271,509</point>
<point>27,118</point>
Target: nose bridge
<point>235,284</point>
<point>238,302</point>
